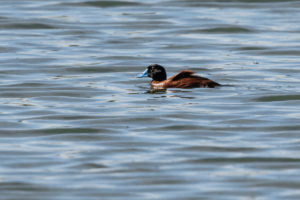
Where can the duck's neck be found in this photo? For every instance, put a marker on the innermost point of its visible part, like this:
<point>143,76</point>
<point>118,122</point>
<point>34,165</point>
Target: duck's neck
<point>160,77</point>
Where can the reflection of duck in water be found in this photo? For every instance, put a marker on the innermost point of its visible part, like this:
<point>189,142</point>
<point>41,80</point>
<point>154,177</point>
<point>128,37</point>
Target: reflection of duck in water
<point>184,79</point>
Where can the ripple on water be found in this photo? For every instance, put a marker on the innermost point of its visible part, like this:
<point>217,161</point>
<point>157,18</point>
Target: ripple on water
<point>278,98</point>
<point>223,30</point>
<point>104,4</point>
<point>111,3</point>
<point>27,26</point>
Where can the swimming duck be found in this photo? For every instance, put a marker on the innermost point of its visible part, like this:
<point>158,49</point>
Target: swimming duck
<point>184,79</point>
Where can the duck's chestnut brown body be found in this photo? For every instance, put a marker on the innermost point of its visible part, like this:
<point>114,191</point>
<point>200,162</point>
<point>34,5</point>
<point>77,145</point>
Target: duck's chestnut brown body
<point>184,79</point>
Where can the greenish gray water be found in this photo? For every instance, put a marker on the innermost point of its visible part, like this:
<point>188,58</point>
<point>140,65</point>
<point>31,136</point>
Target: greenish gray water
<point>76,123</point>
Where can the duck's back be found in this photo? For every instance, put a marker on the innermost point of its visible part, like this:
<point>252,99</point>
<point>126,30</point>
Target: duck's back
<point>186,79</point>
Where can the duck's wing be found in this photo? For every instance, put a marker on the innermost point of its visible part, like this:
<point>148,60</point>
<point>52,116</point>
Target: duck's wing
<point>181,75</point>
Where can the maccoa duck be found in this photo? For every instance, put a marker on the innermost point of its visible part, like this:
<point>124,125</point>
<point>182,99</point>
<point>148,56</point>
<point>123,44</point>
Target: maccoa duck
<point>184,79</point>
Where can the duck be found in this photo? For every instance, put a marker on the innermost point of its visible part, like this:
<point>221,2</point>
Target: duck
<point>184,79</point>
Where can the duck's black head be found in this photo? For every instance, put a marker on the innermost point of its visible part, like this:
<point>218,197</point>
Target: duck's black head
<point>156,72</point>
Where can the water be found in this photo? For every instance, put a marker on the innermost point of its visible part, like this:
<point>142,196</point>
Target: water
<point>76,123</point>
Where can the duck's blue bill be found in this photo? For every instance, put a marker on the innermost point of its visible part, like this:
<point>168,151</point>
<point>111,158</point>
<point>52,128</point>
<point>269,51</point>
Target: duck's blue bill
<point>144,74</point>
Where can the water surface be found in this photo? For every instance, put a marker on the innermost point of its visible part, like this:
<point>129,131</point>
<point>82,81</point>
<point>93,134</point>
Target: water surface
<point>76,123</point>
